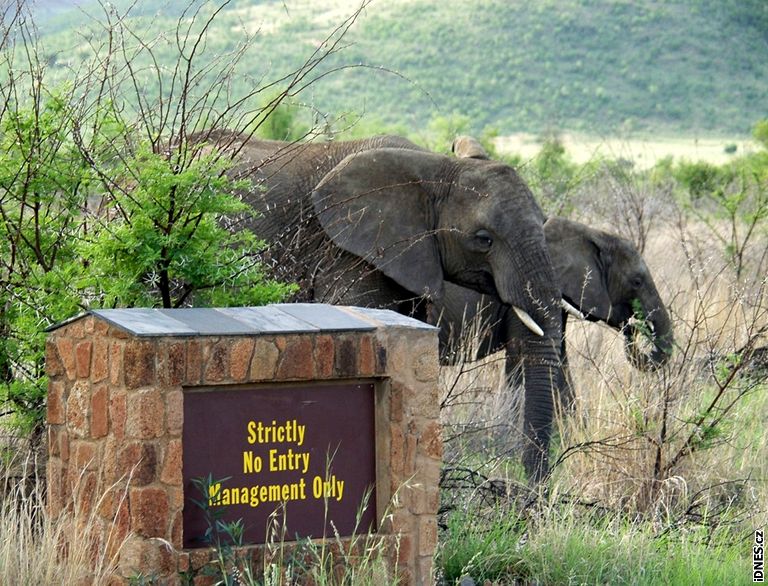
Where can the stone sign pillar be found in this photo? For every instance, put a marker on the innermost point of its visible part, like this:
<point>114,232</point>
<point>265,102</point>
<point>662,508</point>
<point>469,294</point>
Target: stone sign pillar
<point>166,418</point>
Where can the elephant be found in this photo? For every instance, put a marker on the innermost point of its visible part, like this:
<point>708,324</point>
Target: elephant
<point>382,222</point>
<point>601,276</point>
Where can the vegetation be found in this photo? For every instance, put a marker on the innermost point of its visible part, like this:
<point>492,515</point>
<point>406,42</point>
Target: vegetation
<point>31,551</point>
<point>108,205</point>
<point>692,67</point>
<point>107,200</point>
<point>663,471</point>
<point>565,544</point>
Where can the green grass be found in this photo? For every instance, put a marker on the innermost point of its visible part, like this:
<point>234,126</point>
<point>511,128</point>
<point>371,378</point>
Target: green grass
<point>562,547</point>
<point>606,66</point>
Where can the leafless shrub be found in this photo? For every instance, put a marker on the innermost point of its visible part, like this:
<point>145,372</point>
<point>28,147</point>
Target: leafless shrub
<point>623,202</point>
<point>480,411</point>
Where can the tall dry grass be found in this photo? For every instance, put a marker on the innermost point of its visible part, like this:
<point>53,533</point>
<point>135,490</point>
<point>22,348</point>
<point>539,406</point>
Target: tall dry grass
<point>685,444</point>
<point>36,548</point>
<point>691,432</point>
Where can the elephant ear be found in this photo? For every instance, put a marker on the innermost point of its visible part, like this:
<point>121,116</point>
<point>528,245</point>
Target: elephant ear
<point>377,205</point>
<point>468,147</point>
<point>580,261</point>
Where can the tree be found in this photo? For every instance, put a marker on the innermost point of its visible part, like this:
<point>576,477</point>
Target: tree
<point>43,186</point>
<point>552,175</point>
<point>760,132</point>
<point>443,129</point>
<point>109,195</point>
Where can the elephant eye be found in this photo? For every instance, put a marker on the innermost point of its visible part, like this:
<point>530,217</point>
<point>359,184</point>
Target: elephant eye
<point>484,239</point>
<point>637,281</point>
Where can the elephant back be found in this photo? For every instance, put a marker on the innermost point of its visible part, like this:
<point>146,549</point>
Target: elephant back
<point>280,178</point>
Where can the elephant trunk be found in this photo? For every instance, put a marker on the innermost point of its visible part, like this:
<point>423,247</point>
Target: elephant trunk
<point>533,290</point>
<point>648,342</point>
<point>542,370</point>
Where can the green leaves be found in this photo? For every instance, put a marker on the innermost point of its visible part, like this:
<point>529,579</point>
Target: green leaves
<point>164,241</point>
<point>105,220</point>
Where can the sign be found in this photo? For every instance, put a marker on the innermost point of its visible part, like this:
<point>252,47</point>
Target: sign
<point>300,456</point>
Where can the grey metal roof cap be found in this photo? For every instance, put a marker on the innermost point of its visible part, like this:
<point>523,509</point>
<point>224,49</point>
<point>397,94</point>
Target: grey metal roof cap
<point>287,318</point>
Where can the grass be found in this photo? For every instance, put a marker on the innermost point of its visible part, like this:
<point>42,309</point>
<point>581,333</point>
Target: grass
<point>73,549</point>
<point>562,544</point>
<point>613,66</point>
<point>644,152</point>
<point>38,549</point>
<point>659,477</point>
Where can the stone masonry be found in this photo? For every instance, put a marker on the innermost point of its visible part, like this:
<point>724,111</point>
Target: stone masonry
<point>115,420</point>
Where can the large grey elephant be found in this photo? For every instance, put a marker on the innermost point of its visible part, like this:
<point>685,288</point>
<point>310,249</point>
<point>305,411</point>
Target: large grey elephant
<point>384,223</point>
<point>601,275</point>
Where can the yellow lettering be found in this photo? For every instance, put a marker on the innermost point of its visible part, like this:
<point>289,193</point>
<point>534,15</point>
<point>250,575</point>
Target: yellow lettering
<point>289,460</point>
<point>289,432</point>
<point>257,494</point>
<point>297,491</point>
<point>251,463</point>
<point>330,488</point>
<point>213,494</point>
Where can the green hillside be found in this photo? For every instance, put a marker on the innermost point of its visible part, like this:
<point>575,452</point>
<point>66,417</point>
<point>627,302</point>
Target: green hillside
<point>691,67</point>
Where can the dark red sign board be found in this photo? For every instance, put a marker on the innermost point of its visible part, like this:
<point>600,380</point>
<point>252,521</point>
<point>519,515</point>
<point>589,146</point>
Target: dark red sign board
<point>307,452</point>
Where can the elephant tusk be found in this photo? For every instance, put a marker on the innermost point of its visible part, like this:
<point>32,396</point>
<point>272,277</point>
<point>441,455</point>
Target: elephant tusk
<point>571,309</point>
<point>635,322</point>
<point>528,321</point>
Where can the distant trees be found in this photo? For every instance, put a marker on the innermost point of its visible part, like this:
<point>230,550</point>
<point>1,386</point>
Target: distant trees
<point>760,132</point>
<point>586,66</point>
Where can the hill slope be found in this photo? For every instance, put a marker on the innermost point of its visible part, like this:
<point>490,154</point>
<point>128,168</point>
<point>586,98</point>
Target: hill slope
<point>690,66</point>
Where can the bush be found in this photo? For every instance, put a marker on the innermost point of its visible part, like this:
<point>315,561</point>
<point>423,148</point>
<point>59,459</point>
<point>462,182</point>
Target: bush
<point>105,198</point>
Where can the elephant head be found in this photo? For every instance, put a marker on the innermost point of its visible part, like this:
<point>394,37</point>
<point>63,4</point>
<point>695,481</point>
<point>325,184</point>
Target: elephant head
<point>606,278</point>
<point>421,219</point>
